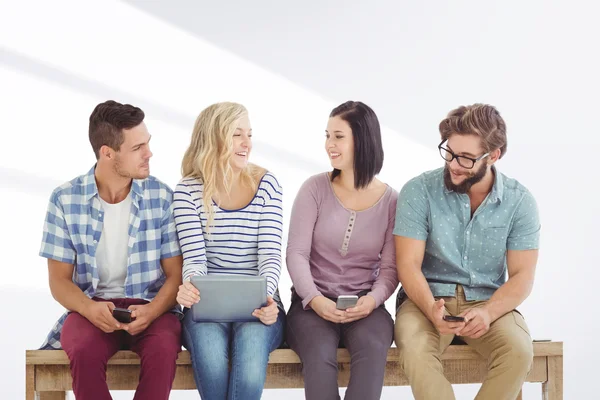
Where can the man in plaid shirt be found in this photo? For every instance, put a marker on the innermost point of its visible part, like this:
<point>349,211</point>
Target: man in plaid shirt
<point>110,241</point>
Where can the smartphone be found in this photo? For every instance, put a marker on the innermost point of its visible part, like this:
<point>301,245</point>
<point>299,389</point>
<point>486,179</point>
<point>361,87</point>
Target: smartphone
<point>346,301</point>
<point>122,315</point>
<point>452,318</point>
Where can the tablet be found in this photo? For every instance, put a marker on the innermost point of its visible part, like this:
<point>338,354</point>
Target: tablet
<point>228,298</point>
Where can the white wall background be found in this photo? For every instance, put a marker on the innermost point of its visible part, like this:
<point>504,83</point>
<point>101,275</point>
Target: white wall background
<point>537,61</point>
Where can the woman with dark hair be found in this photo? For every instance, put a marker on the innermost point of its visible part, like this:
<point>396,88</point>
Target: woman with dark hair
<point>340,243</point>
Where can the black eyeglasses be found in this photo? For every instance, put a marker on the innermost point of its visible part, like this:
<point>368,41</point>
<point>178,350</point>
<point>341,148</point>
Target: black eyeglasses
<point>463,161</point>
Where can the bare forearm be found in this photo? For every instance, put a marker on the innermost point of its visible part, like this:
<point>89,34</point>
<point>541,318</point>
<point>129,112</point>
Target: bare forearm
<point>415,285</point>
<point>69,295</point>
<point>510,295</point>
<point>166,297</point>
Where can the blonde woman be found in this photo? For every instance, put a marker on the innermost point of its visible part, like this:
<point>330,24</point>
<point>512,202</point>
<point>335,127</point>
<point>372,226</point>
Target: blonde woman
<point>228,215</point>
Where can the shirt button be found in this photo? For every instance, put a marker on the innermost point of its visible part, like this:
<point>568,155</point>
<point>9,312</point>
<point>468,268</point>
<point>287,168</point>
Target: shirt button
<point>466,205</point>
<point>95,241</point>
<point>100,215</point>
<point>465,257</point>
<point>468,232</point>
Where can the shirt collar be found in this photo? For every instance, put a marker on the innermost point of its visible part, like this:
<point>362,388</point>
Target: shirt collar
<point>497,188</point>
<point>90,188</point>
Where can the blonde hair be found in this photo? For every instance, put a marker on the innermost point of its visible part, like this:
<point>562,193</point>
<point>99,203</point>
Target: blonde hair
<point>207,158</point>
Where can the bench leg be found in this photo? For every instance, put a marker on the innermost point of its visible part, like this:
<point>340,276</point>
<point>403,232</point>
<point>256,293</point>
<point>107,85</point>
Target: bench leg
<point>53,395</point>
<point>30,382</point>
<point>520,395</point>
<point>553,388</point>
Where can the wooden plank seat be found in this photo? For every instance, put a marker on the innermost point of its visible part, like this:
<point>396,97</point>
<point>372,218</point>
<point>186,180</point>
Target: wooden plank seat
<point>48,375</point>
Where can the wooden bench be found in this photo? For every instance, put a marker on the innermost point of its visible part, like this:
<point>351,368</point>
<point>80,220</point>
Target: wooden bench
<point>47,371</point>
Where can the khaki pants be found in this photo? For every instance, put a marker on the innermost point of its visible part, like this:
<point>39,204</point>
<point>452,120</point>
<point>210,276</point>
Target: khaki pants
<point>507,346</point>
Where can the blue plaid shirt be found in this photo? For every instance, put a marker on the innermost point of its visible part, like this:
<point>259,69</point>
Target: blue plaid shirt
<point>74,224</point>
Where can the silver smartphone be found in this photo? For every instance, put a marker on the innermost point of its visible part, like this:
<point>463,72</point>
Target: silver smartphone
<point>346,301</point>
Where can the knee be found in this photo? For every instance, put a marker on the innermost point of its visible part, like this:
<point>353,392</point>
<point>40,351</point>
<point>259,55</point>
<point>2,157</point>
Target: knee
<point>80,336</point>
<point>164,347</point>
<point>203,352</point>
<point>81,347</point>
<point>162,351</point>
<point>317,355</point>
<point>415,349</point>
<point>86,355</point>
<point>516,356</point>
<point>379,343</point>
<point>253,374</point>
<point>371,346</point>
<point>85,350</point>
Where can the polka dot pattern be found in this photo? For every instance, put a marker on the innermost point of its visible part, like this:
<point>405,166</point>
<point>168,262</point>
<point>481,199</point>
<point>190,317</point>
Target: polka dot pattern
<point>464,249</point>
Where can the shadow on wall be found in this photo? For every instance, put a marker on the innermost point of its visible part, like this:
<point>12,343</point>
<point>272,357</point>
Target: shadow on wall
<point>414,57</point>
<point>25,182</point>
<point>25,64</point>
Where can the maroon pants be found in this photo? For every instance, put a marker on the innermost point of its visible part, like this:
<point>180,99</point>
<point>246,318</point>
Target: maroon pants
<point>89,349</point>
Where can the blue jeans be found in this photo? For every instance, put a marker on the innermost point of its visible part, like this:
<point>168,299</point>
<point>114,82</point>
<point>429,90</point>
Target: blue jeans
<point>248,344</point>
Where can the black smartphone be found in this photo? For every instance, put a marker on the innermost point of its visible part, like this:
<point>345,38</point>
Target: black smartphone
<point>452,318</point>
<point>122,315</point>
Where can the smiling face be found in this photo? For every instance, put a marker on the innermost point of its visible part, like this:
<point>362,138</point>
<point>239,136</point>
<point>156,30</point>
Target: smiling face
<point>458,178</point>
<point>339,144</point>
<point>241,144</point>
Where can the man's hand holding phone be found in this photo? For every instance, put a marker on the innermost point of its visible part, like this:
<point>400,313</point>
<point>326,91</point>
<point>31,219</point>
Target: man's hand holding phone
<point>142,315</point>
<point>443,326</point>
<point>453,318</point>
<point>479,321</point>
<point>100,314</point>
<point>122,315</point>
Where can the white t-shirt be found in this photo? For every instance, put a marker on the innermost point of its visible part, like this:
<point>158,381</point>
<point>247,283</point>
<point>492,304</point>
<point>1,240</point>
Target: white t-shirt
<point>112,249</point>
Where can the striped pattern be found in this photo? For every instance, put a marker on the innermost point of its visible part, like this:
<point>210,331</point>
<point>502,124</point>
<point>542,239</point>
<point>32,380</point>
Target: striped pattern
<point>241,242</point>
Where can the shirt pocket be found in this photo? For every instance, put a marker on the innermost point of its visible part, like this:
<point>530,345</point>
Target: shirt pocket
<point>494,244</point>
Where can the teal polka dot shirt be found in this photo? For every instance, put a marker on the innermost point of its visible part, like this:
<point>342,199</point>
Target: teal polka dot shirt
<point>461,249</point>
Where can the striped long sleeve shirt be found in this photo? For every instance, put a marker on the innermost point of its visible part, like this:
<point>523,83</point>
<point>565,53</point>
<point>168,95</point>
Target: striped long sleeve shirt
<point>246,241</point>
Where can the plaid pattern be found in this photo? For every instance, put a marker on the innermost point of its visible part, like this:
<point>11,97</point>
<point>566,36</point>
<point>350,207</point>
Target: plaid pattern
<point>74,224</point>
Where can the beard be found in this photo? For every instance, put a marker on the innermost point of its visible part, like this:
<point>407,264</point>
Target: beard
<point>465,185</point>
<point>124,173</point>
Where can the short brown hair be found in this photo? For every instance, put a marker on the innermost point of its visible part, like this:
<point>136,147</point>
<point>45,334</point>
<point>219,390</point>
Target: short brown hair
<point>108,121</point>
<point>482,120</point>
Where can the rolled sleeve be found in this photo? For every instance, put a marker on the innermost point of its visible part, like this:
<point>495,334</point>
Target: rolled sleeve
<point>56,240</point>
<point>169,242</point>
